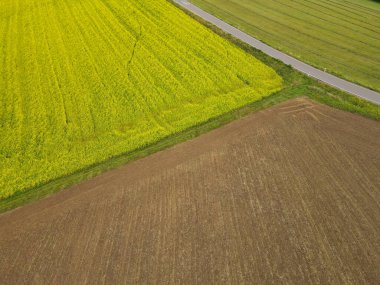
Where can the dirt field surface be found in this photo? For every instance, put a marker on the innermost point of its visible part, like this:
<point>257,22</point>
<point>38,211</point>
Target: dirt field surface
<point>289,195</point>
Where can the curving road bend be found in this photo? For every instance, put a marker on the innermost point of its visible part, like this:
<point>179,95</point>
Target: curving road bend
<point>309,70</point>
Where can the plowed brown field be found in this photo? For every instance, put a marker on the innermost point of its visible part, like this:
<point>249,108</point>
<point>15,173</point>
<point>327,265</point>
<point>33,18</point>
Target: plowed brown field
<point>287,195</point>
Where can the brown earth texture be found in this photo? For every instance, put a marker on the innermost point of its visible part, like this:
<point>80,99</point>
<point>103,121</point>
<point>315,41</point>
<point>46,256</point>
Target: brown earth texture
<point>289,195</point>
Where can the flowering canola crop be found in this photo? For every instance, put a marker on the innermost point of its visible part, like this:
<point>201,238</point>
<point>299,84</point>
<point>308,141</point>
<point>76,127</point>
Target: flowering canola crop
<point>84,80</point>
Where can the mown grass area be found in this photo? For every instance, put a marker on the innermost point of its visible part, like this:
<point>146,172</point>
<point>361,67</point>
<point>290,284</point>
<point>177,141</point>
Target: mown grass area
<point>339,36</point>
<point>294,84</point>
<point>84,81</point>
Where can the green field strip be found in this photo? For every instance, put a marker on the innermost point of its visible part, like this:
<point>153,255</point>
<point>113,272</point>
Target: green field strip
<point>270,24</point>
<point>309,31</point>
<point>335,11</point>
<point>298,47</point>
<point>310,12</point>
<point>365,9</point>
<point>351,11</point>
<point>315,7</point>
<point>293,23</point>
<point>349,8</point>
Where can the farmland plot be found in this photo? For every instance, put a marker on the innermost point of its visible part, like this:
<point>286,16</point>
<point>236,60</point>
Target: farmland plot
<point>84,80</point>
<point>339,36</point>
<point>288,195</point>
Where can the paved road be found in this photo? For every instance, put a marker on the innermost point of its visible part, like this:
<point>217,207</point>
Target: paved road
<point>311,71</point>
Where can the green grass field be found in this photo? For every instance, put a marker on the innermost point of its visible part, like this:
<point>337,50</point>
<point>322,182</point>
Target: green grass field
<point>339,36</point>
<point>82,81</point>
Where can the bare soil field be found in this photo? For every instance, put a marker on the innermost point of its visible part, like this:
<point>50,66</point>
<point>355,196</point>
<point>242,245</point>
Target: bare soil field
<point>287,195</point>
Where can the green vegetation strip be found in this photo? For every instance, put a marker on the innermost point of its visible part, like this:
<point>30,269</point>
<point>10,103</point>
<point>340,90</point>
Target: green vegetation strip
<point>294,84</point>
<point>339,36</point>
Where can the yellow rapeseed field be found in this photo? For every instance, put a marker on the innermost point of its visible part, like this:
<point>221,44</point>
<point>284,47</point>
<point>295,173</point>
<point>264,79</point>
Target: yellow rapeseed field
<point>84,80</point>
